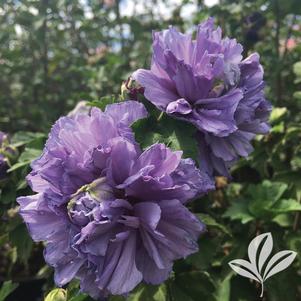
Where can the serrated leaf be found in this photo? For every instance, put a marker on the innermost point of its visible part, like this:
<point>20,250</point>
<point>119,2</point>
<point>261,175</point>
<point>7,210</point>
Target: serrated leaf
<point>264,196</point>
<point>283,260</point>
<point>176,134</point>
<point>268,192</point>
<point>285,206</point>
<point>239,211</point>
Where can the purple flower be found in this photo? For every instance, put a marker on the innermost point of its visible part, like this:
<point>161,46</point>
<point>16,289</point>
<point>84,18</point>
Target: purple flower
<point>110,214</point>
<point>206,82</point>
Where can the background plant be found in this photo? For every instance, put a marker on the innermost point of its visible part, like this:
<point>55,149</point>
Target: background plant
<point>55,53</point>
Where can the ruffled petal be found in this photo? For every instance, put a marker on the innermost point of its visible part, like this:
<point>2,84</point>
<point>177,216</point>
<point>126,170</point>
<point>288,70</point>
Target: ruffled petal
<point>126,112</point>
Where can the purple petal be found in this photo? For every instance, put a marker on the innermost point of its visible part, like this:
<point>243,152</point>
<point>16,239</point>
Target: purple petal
<point>120,274</point>
<point>42,223</point>
<point>126,112</point>
<point>180,106</point>
<point>158,90</point>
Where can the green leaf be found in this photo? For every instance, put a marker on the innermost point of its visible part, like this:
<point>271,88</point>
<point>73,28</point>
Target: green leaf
<point>7,288</point>
<point>22,241</point>
<point>264,196</point>
<point>177,294</point>
<point>267,191</point>
<point>294,243</point>
<point>79,297</point>
<point>239,211</point>
<point>277,114</point>
<point>211,222</point>
<point>296,162</point>
<point>182,137</point>
<point>278,128</point>
<point>283,220</point>
<point>223,289</point>
<point>26,158</point>
<point>149,293</point>
<point>284,206</point>
<point>208,248</point>
<point>103,102</point>
<point>197,285</point>
<point>73,293</point>
<point>7,194</point>
<point>297,95</point>
<point>284,286</point>
<point>297,71</point>
<point>176,134</point>
<point>147,125</point>
<point>22,138</point>
<point>292,178</point>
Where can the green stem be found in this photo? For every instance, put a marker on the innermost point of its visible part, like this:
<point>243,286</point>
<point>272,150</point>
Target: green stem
<point>160,116</point>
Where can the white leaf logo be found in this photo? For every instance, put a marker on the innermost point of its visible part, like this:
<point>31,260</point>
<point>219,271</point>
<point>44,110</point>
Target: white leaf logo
<point>259,250</point>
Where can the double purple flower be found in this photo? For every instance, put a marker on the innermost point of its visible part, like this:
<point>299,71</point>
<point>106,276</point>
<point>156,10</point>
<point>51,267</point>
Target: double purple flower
<point>205,82</point>
<point>111,215</point>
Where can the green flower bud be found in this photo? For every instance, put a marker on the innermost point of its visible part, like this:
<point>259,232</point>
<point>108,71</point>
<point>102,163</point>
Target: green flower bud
<point>57,294</point>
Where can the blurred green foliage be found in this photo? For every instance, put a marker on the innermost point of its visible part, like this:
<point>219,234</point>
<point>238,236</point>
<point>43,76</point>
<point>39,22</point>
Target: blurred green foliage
<point>56,53</point>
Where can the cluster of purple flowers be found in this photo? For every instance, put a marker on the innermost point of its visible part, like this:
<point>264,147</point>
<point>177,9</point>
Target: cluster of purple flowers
<point>113,215</point>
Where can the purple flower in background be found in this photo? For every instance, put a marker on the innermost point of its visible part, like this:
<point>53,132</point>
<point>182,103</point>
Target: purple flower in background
<point>206,82</point>
<point>110,214</point>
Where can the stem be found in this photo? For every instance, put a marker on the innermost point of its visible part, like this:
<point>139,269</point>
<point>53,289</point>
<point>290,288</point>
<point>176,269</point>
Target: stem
<point>169,292</point>
<point>297,215</point>
<point>262,289</point>
<point>296,221</point>
<point>160,116</point>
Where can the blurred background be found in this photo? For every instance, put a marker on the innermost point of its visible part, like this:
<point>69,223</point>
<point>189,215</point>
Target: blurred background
<point>54,53</point>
